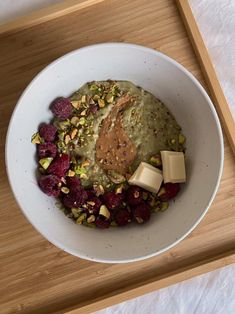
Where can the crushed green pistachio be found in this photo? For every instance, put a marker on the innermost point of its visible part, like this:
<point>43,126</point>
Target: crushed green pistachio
<point>71,173</point>
<point>104,211</point>
<point>45,162</point>
<point>65,190</point>
<point>81,218</point>
<point>74,121</point>
<point>91,219</point>
<point>156,160</point>
<point>36,139</point>
<point>82,121</point>
<point>101,103</point>
<point>164,206</point>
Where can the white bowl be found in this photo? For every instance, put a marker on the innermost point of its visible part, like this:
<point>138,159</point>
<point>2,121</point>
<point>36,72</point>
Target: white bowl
<point>187,100</point>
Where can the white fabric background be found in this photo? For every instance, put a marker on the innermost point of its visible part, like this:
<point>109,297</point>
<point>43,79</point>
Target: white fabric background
<point>213,293</point>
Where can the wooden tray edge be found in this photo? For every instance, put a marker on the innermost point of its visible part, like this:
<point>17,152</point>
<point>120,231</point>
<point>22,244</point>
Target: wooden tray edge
<point>45,14</point>
<point>208,70</point>
<point>184,273</point>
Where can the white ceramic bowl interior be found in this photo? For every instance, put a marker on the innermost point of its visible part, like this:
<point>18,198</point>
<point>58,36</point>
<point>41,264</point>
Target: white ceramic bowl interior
<point>186,99</point>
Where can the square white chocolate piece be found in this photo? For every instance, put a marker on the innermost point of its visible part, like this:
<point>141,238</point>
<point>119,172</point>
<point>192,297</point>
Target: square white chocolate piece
<point>147,177</point>
<point>173,165</point>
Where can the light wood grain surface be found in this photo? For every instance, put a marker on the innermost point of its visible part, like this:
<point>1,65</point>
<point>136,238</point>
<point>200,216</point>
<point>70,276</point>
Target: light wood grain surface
<point>35,276</point>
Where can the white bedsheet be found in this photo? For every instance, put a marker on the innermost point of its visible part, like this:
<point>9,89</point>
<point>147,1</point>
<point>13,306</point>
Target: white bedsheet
<point>213,293</point>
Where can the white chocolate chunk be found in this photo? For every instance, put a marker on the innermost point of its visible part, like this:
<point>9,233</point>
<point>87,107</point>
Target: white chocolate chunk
<point>173,165</point>
<point>147,177</point>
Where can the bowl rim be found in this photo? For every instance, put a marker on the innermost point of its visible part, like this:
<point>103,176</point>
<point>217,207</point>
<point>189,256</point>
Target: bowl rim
<point>181,68</point>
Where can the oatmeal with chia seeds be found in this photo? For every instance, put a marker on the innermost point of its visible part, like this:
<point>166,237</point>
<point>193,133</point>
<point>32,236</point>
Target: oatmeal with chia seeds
<point>89,156</point>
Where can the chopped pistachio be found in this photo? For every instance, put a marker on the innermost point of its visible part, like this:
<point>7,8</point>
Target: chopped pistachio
<point>82,121</point>
<point>84,176</point>
<point>45,162</point>
<point>73,133</point>
<point>119,189</point>
<point>101,103</point>
<point>109,98</point>
<point>161,191</point>
<point>164,206</point>
<point>83,99</point>
<point>93,87</point>
<point>87,224</point>
<point>76,212</point>
<point>81,218</point>
<point>74,121</point>
<point>182,139</point>
<point>156,160</point>
<point>36,139</point>
<point>96,97</point>
<point>64,124</point>
<point>61,135</point>
<point>104,211</point>
<point>65,190</point>
<point>84,112</point>
<point>99,190</point>
<point>71,173</point>
<point>91,203</point>
<point>173,141</point>
<point>85,163</point>
<point>91,219</point>
<point>80,170</point>
<point>75,103</point>
<point>67,139</point>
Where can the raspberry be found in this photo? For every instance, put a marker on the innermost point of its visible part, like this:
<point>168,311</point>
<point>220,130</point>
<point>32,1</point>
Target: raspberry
<point>48,132</point>
<point>47,150</point>
<point>141,212</point>
<point>93,205</point>
<point>49,184</point>
<point>113,200</point>
<point>169,190</point>
<point>122,217</point>
<point>75,198</point>
<point>134,195</point>
<point>102,222</point>
<point>59,165</point>
<point>73,183</point>
<point>62,108</point>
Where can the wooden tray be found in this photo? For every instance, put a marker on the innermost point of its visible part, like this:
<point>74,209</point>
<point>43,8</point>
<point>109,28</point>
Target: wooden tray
<point>36,277</point>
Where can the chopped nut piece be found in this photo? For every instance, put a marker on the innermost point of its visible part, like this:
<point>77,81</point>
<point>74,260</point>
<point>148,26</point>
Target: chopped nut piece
<point>91,203</point>
<point>67,139</point>
<point>83,113</point>
<point>71,173</point>
<point>91,219</point>
<point>74,121</point>
<point>164,206</point>
<point>81,218</point>
<point>65,190</point>
<point>156,160</point>
<point>119,189</point>
<point>99,190</point>
<point>104,211</point>
<point>45,162</point>
<point>93,87</point>
<point>82,121</point>
<point>36,139</point>
<point>96,97</point>
<point>101,103</point>
<point>84,176</point>
<point>109,98</point>
<point>83,99</point>
<point>76,212</point>
<point>85,163</point>
<point>75,103</point>
<point>73,133</point>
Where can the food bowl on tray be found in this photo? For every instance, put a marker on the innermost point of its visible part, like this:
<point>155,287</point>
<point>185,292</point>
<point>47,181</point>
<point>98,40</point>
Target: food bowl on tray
<point>187,101</point>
